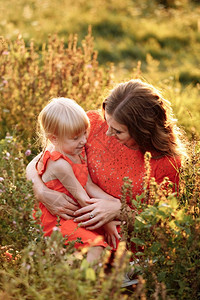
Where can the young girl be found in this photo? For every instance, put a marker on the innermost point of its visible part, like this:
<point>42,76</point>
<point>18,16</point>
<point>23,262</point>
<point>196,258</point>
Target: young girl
<point>65,125</point>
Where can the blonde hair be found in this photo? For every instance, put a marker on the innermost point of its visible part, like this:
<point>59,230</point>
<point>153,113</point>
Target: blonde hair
<point>61,117</point>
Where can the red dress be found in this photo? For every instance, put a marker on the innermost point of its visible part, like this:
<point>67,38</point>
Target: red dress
<point>109,161</point>
<point>68,227</point>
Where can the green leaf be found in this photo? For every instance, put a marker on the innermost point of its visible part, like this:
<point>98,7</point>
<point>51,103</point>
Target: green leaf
<point>139,254</point>
<point>155,247</point>
<point>139,219</point>
<point>137,241</point>
<point>173,203</point>
<point>90,274</point>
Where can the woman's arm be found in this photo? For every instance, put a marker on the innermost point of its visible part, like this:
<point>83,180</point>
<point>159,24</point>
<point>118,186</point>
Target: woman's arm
<point>94,191</point>
<point>57,203</point>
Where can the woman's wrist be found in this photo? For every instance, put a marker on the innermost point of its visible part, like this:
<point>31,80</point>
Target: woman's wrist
<point>118,206</point>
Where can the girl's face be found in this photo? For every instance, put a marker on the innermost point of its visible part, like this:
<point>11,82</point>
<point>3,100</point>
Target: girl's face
<point>120,132</point>
<point>73,146</point>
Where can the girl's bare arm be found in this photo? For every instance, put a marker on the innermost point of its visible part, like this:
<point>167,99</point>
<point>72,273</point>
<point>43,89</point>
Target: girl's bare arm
<point>57,203</point>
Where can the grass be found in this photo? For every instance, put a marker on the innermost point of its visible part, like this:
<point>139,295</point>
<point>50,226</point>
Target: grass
<point>158,41</point>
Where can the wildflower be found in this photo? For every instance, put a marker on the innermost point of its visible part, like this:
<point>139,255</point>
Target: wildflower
<point>1,179</point>
<point>6,110</point>
<point>28,267</point>
<point>27,196</point>
<point>5,82</point>
<point>5,53</point>
<point>89,66</point>
<point>8,137</point>
<point>8,255</point>
<point>7,154</point>
<point>56,228</point>
<point>28,152</point>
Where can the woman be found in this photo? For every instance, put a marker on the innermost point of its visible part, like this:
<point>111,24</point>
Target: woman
<point>137,119</point>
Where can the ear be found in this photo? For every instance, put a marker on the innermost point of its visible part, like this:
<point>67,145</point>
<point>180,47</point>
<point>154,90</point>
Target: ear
<point>54,139</point>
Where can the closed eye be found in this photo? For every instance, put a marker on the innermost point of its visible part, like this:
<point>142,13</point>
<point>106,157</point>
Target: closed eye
<point>75,138</point>
<point>118,132</point>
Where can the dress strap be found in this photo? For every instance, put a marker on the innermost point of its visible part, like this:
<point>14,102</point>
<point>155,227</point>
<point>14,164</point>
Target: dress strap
<point>55,155</point>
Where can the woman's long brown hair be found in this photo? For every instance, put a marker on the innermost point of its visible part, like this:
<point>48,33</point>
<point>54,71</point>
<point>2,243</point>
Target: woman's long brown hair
<point>147,115</point>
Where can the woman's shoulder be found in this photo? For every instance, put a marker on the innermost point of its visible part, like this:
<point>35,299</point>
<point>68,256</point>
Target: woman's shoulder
<point>96,120</point>
<point>95,116</point>
<point>166,166</point>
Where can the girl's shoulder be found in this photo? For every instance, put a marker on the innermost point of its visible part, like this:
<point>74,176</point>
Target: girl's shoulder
<point>54,160</point>
<point>54,156</point>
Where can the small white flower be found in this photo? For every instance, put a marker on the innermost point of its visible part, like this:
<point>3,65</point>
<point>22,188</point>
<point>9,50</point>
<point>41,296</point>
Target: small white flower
<point>56,228</point>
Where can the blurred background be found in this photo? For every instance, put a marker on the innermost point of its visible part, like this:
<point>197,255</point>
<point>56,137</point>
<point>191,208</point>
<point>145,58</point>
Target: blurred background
<point>167,31</point>
<point>158,40</point>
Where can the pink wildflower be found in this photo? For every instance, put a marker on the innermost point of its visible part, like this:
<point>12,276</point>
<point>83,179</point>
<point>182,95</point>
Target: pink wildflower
<point>28,152</point>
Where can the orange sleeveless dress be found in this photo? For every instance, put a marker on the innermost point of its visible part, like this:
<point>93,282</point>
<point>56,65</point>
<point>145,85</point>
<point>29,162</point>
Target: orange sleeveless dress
<point>68,228</point>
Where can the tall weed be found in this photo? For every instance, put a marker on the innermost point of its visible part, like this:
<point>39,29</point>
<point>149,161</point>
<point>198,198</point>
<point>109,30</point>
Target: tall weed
<point>30,78</point>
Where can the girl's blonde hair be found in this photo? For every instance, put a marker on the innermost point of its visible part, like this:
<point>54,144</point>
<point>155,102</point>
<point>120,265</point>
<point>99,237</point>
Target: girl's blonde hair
<point>61,117</point>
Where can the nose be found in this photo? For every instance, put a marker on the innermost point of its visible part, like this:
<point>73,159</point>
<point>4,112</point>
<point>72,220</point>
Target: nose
<point>110,132</point>
<point>84,139</point>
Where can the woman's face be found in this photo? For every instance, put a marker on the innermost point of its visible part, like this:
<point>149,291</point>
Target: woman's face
<point>120,132</point>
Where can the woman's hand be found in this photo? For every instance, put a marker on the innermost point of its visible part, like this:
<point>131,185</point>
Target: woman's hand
<point>58,203</point>
<point>98,213</point>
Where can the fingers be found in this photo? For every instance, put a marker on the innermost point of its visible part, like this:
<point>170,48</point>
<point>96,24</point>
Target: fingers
<point>65,217</point>
<point>86,220</point>
<point>83,210</point>
<point>70,206</point>
<point>113,241</point>
<point>70,200</point>
<point>109,240</point>
<point>66,212</point>
<point>86,217</point>
<point>93,227</point>
<point>92,200</point>
<point>117,223</point>
<point>117,235</point>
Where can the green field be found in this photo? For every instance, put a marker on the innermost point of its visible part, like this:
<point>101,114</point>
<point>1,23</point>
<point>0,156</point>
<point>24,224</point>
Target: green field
<point>81,49</point>
<point>165,41</point>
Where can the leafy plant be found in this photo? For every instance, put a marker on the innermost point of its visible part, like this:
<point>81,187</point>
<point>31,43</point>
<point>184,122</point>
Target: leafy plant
<point>166,235</point>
